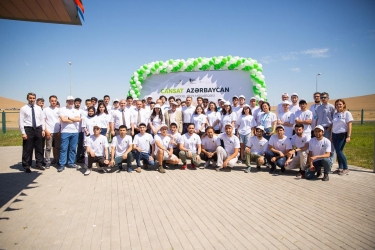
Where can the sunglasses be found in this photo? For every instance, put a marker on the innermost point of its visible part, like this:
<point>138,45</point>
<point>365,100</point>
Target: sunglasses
<point>323,97</point>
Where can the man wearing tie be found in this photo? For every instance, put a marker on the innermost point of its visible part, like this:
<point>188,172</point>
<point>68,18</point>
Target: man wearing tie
<point>140,115</point>
<point>32,128</point>
<point>121,116</point>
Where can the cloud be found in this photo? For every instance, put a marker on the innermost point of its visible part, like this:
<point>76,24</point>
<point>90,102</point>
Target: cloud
<point>289,56</point>
<point>316,53</point>
<point>295,70</point>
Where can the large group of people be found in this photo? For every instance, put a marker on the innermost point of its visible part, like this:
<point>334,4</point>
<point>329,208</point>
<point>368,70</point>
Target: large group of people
<point>166,132</point>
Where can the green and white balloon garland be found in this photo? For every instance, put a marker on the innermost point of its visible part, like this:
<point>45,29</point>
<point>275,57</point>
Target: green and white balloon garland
<point>201,64</point>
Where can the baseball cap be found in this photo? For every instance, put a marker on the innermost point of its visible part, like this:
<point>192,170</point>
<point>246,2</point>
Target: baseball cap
<point>261,99</point>
<point>235,97</point>
<point>70,98</point>
<point>319,127</point>
<point>302,101</point>
<point>116,100</point>
<point>252,98</point>
<point>260,127</point>
<point>294,94</point>
<point>286,102</point>
<point>280,126</point>
<point>96,126</point>
<point>222,100</point>
<point>228,124</point>
<point>173,123</point>
<point>148,96</point>
<point>226,103</point>
<point>242,96</point>
<point>286,94</point>
<point>163,125</point>
<point>157,106</point>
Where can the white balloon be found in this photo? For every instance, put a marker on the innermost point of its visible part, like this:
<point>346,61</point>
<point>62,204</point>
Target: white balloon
<point>136,78</point>
<point>258,86</point>
<point>262,77</point>
<point>138,83</point>
<point>253,71</point>
<point>265,93</point>
<point>258,74</point>
<point>199,65</point>
<point>168,70</point>
<point>257,97</point>
<point>132,92</point>
<point>254,83</point>
<point>147,71</point>
<point>260,65</point>
<point>140,87</point>
<point>134,96</point>
<point>135,74</point>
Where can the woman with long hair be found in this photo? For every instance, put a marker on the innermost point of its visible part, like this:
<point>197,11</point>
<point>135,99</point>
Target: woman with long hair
<point>156,119</point>
<point>245,126</point>
<point>227,116</point>
<point>213,117</point>
<point>199,119</point>
<point>341,132</point>
<point>267,120</point>
<point>103,119</point>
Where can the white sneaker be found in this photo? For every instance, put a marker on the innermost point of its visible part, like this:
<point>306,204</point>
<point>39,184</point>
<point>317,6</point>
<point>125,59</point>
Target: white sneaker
<point>88,171</point>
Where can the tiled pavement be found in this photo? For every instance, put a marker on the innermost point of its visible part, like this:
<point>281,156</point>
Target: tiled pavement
<point>189,209</point>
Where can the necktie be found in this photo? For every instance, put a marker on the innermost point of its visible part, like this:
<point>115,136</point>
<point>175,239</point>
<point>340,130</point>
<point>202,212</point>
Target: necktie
<point>33,116</point>
<point>123,117</point>
<point>139,117</point>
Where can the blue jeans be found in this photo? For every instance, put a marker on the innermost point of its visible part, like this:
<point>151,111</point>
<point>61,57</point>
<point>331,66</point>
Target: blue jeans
<point>68,140</point>
<point>338,141</point>
<point>279,162</point>
<point>143,156</point>
<point>325,163</point>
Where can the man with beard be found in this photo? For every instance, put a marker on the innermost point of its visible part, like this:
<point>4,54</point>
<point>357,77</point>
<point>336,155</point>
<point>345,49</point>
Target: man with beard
<point>209,146</point>
<point>294,106</point>
<point>227,152</point>
<point>256,148</point>
<point>300,144</point>
<point>313,109</point>
<point>164,149</point>
<point>304,116</point>
<point>190,147</point>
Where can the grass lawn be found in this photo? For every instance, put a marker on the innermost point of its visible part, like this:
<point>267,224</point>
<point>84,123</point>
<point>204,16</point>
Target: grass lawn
<point>359,152</point>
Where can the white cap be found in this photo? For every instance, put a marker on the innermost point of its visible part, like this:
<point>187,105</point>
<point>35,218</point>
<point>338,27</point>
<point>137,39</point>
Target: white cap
<point>280,126</point>
<point>228,124</point>
<point>116,100</point>
<point>222,100</point>
<point>241,96</point>
<point>285,94</point>
<point>319,127</point>
<point>252,98</point>
<point>163,125</point>
<point>157,106</point>
<point>286,102</point>
<point>260,127</point>
<point>294,94</point>
<point>70,98</point>
<point>148,96</point>
<point>226,103</point>
<point>261,99</point>
<point>235,97</point>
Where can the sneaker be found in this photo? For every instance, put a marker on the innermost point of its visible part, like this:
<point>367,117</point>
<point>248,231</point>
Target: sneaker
<point>130,169</point>
<point>48,165</point>
<point>218,169</point>
<point>247,170</point>
<point>138,170</point>
<point>54,162</point>
<point>73,166</point>
<point>272,170</point>
<point>88,171</point>
<point>85,166</point>
<point>337,171</point>
<point>145,166</point>
<point>239,162</point>
<point>346,171</point>
<point>299,175</point>
<point>282,169</point>
<point>40,167</point>
<point>60,169</point>
<point>341,172</point>
<point>105,170</point>
<point>184,166</point>
<point>193,166</point>
<point>28,170</point>
<point>325,178</point>
<point>258,167</point>
<point>214,164</point>
<point>227,169</point>
<point>161,169</point>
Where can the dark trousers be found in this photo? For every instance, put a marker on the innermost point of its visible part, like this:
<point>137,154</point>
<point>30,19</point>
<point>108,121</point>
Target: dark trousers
<point>205,158</point>
<point>33,141</point>
<point>99,159</point>
<point>184,128</point>
<point>176,152</point>
<point>129,159</point>
<point>80,148</point>
<point>279,162</point>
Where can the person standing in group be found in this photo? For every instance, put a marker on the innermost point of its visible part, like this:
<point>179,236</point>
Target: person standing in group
<point>208,147</point>
<point>213,117</point>
<point>187,112</point>
<point>199,101</point>
<point>227,151</point>
<point>32,126</point>
<point>141,147</point>
<point>286,119</point>
<point>300,144</point>
<point>253,106</point>
<point>319,153</point>
<point>121,150</point>
<point>190,147</point>
<point>164,149</point>
<point>284,97</point>
<point>235,104</point>
<point>80,147</point>
<point>256,148</point>
<point>268,120</point>
<point>140,115</point>
<point>205,105</point>
<point>106,100</point>
<point>173,115</point>
<point>259,111</point>
<point>88,124</point>
<point>228,116</point>
<point>121,117</point>
<point>163,104</point>
<point>325,114</point>
<point>156,119</point>
<point>70,119</point>
<point>246,126</point>
<point>87,105</point>
<point>52,131</point>
<point>304,116</point>
<point>175,138</point>
<point>40,103</point>
<point>199,119</point>
<point>97,150</point>
<point>94,102</point>
<point>341,132</point>
<point>278,147</point>
<point>313,109</point>
<point>294,106</point>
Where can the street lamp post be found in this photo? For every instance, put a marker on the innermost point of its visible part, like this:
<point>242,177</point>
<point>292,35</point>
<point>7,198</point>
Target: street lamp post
<point>70,63</point>
<point>316,87</point>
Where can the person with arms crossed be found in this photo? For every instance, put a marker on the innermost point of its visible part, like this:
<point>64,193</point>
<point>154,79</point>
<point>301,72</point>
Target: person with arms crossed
<point>199,119</point>
<point>187,112</point>
<point>121,150</point>
<point>141,146</point>
<point>213,117</point>
<point>32,126</point>
<point>227,152</point>
<point>294,106</point>
<point>245,126</point>
<point>97,150</point>
<point>190,147</point>
<point>325,114</point>
<point>286,119</point>
<point>164,149</point>
<point>256,148</point>
<point>304,116</point>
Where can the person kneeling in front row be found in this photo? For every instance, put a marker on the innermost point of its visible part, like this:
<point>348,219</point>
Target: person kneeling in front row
<point>141,147</point>
<point>227,152</point>
<point>97,150</point>
<point>190,147</point>
<point>164,149</point>
<point>121,149</point>
<point>256,148</point>
<point>209,146</point>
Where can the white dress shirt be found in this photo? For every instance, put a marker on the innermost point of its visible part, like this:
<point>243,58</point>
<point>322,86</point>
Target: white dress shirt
<point>25,117</point>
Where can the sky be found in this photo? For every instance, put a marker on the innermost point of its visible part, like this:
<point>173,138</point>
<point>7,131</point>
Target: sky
<point>293,40</point>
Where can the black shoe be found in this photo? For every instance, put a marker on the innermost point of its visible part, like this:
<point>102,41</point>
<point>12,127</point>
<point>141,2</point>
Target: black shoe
<point>282,169</point>
<point>27,170</point>
<point>258,167</point>
<point>272,170</point>
<point>318,174</point>
<point>325,178</point>
<point>40,167</point>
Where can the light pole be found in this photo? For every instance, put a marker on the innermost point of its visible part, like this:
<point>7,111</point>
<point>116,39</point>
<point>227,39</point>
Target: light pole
<point>70,63</point>
<point>316,90</point>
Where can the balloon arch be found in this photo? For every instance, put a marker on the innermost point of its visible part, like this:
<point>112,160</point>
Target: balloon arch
<point>201,64</point>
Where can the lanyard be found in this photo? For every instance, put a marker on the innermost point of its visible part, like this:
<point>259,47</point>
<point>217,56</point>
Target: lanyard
<point>264,118</point>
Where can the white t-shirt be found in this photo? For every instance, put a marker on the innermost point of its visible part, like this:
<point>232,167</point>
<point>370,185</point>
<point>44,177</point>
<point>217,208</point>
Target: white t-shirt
<point>210,144</point>
<point>52,119</point>
<point>187,112</point>
<point>98,144</point>
<point>266,120</point>
<point>143,142</point>
<point>190,142</point>
<point>69,127</point>
<point>156,122</point>
<point>257,146</point>
<point>103,120</point>
<point>304,116</point>
<point>287,117</point>
<point>121,144</point>
<point>198,120</point>
<point>230,143</point>
<point>164,141</point>
<point>89,123</point>
<point>228,118</point>
<point>245,123</point>
<point>313,109</point>
<point>340,122</point>
<point>319,147</point>
<point>299,142</point>
<point>212,117</point>
<point>282,145</point>
<point>175,139</point>
<point>293,108</point>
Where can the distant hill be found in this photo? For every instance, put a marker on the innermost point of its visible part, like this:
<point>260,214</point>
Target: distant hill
<point>6,103</point>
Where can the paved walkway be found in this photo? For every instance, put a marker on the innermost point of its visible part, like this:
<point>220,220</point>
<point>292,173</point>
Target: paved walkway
<point>199,209</point>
